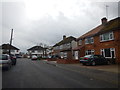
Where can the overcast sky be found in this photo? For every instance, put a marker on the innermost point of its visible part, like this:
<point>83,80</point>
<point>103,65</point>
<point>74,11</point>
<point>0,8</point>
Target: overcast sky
<point>46,21</point>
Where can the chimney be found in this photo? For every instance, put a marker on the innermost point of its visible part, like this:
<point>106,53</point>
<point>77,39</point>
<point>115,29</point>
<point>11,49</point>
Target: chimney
<point>104,20</point>
<point>64,37</point>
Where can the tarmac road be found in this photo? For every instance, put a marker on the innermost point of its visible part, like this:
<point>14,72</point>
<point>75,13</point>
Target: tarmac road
<point>39,74</point>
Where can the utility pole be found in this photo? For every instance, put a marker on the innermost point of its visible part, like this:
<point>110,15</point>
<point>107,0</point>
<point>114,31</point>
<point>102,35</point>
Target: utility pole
<point>107,11</point>
<point>10,42</point>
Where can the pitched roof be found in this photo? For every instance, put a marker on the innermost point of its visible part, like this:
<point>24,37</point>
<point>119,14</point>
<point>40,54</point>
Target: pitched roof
<point>110,25</point>
<point>91,32</point>
<point>113,24</point>
<point>65,41</point>
<point>36,48</point>
<point>7,46</point>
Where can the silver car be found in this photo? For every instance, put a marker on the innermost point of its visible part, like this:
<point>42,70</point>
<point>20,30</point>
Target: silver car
<point>5,61</point>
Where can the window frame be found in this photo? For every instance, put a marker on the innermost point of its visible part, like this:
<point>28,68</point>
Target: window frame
<point>110,34</point>
<point>89,40</point>
<point>80,42</point>
<point>92,51</point>
<point>111,50</point>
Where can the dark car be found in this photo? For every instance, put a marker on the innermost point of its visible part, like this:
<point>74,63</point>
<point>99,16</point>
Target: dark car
<point>93,60</point>
<point>55,56</point>
<point>13,59</point>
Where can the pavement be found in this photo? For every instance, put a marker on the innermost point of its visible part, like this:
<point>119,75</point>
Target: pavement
<point>114,68</point>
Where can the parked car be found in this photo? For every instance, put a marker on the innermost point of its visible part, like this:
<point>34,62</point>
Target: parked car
<point>34,57</point>
<point>55,56</point>
<point>13,58</point>
<point>28,57</point>
<point>5,61</point>
<point>19,56</point>
<point>93,60</point>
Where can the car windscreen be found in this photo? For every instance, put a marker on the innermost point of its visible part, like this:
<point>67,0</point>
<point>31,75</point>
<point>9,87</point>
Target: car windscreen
<point>3,57</point>
<point>87,56</point>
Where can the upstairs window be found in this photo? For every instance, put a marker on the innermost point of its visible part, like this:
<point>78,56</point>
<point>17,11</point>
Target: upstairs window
<point>61,47</point>
<point>80,42</point>
<point>107,36</point>
<point>89,40</point>
<point>12,50</point>
<point>68,44</point>
<point>33,51</point>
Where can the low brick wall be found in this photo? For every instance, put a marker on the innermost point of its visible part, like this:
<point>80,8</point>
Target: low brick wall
<point>67,61</point>
<point>51,59</point>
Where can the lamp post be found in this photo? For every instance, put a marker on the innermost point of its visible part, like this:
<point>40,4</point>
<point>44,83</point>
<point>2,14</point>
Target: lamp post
<point>10,42</point>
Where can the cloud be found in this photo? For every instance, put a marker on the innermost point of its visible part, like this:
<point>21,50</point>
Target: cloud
<point>49,22</point>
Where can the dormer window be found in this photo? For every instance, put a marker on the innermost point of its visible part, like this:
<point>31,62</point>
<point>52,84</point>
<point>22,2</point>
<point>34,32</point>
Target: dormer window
<point>89,40</point>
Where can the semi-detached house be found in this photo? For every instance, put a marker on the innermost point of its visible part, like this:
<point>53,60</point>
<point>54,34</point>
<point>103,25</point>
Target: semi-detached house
<point>38,51</point>
<point>4,48</point>
<point>103,40</point>
<point>64,47</point>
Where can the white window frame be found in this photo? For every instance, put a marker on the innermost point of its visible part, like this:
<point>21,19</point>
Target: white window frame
<point>102,38</point>
<point>92,52</point>
<point>111,33</point>
<point>61,46</point>
<point>12,50</point>
<point>111,49</point>
<point>65,55</point>
<point>91,40</point>
<point>80,42</point>
<point>68,44</point>
<point>86,41</point>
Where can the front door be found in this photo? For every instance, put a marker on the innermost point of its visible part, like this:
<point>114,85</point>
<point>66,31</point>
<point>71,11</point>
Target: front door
<point>76,54</point>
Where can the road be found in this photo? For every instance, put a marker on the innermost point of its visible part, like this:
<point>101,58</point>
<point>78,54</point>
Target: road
<point>39,74</point>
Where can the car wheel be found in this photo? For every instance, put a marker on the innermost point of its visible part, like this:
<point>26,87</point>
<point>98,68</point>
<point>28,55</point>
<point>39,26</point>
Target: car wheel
<point>93,63</point>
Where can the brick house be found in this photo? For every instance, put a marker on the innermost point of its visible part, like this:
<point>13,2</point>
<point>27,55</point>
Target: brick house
<point>64,47</point>
<point>4,48</point>
<point>38,51</point>
<point>103,40</point>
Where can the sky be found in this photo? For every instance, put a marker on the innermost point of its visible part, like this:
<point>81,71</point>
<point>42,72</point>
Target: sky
<point>46,21</point>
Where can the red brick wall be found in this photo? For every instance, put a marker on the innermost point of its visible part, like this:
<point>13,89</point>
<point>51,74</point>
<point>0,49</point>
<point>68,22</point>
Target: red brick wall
<point>81,52</point>
<point>69,54</point>
<point>108,44</point>
<point>97,45</point>
<point>51,59</point>
<point>67,61</point>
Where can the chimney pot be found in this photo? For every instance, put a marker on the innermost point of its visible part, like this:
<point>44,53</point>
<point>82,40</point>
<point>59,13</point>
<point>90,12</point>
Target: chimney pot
<point>64,37</point>
<point>104,20</point>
